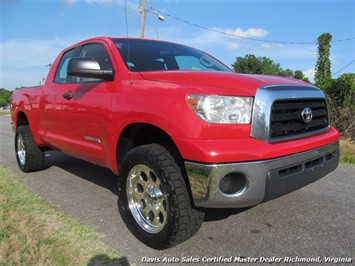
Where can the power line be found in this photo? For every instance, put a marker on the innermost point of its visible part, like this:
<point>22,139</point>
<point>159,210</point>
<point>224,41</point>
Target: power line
<point>243,37</point>
<point>344,40</point>
<point>344,67</point>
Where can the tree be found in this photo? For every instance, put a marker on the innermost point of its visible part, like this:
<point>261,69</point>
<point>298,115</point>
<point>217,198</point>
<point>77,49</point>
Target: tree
<point>287,73</point>
<point>342,90</point>
<point>341,99</point>
<point>250,64</point>
<point>299,75</point>
<point>323,61</point>
<point>4,97</point>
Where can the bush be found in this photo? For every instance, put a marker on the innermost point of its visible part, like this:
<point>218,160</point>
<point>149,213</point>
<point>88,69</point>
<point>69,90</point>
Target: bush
<point>347,152</point>
<point>341,96</point>
<point>343,119</point>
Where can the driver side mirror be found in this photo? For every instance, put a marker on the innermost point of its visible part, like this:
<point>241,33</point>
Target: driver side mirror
<point>88,68</point>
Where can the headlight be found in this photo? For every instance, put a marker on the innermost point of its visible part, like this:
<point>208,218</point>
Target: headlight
<point>222,109</point>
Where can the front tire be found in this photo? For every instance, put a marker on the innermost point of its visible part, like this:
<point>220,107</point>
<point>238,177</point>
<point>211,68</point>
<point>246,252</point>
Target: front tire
<point>28,155</point>
<point>153,198</point>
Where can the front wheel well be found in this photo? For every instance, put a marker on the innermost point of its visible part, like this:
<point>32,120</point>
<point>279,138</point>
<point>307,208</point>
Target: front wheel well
<point>22,120</point>
<point>141,134</point>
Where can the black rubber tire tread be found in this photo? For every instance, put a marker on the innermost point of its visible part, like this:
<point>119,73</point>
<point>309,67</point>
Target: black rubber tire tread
<point>184,221</point>
<point>34,158</point>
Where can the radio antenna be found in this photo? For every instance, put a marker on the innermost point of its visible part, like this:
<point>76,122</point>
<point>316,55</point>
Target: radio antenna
<point>128,51</point>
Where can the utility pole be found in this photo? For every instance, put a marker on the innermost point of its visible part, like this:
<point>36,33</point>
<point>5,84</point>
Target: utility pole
<point>144,13</point>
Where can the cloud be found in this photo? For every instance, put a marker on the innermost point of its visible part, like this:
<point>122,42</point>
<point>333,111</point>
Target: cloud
<point>310,74</point>
<point>21,53</point>
<point>249,33</point>
<point>200,37</point>
<point>102,2</point>
<point>271,46</point>
<point>24,60</point>
<point>68,3</point>
<point>277,51</point>
<point>232,46</point>
<point>121,3</point>
<point>223,35</point>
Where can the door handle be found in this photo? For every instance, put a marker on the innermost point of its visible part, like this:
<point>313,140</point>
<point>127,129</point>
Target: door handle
<point>68,95</point>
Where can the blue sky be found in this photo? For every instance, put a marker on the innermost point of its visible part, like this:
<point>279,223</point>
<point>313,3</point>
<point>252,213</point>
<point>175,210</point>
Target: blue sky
<point>34,32</point>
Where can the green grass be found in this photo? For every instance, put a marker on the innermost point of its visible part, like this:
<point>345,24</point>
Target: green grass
<point>4,112</point>
<point>33,233</point>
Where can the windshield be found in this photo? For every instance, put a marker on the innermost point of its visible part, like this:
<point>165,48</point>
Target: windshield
<point>147,55</point>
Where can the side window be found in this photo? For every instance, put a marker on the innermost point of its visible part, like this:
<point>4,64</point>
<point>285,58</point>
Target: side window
<point>61,74</point>
<point>99,52</point>
<point>187,62</point>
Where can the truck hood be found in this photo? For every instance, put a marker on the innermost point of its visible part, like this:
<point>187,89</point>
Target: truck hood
<point>222,82</point>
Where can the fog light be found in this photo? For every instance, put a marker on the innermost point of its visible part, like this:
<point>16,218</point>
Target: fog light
<point>233,183</point>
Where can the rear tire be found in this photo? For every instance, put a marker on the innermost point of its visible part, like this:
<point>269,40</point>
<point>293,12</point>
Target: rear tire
<point>153,199</point>
<point>28,155</point>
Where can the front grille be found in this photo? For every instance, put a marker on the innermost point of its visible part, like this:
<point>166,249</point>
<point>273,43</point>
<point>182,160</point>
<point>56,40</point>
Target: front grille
<point>290,117</point>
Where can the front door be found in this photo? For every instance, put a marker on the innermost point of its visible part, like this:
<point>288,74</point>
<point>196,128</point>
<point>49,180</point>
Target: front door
<point>87,110</point>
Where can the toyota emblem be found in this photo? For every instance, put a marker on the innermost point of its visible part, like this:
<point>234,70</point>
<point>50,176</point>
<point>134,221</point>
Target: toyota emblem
<point>307,115</point>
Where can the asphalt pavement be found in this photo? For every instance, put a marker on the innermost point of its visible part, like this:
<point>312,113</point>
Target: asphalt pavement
<point>310,226</point>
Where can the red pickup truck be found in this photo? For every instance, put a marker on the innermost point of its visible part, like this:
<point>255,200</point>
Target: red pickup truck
<point>181,129</point>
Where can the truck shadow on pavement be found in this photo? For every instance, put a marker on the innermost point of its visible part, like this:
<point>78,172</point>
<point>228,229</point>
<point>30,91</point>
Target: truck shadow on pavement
<point>105,178</point>
<point>221,214</point>
<point>93,173</point>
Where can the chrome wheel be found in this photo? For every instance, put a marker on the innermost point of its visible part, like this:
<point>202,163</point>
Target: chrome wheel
<point>147,199</point>
<point>153,198</point>
<point>21,150</point>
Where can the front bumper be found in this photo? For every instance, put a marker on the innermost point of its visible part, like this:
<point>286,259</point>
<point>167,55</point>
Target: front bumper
<point>258,181</point>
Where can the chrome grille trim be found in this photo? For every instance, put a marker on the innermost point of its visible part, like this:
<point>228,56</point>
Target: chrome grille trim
<point>275,126</point>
